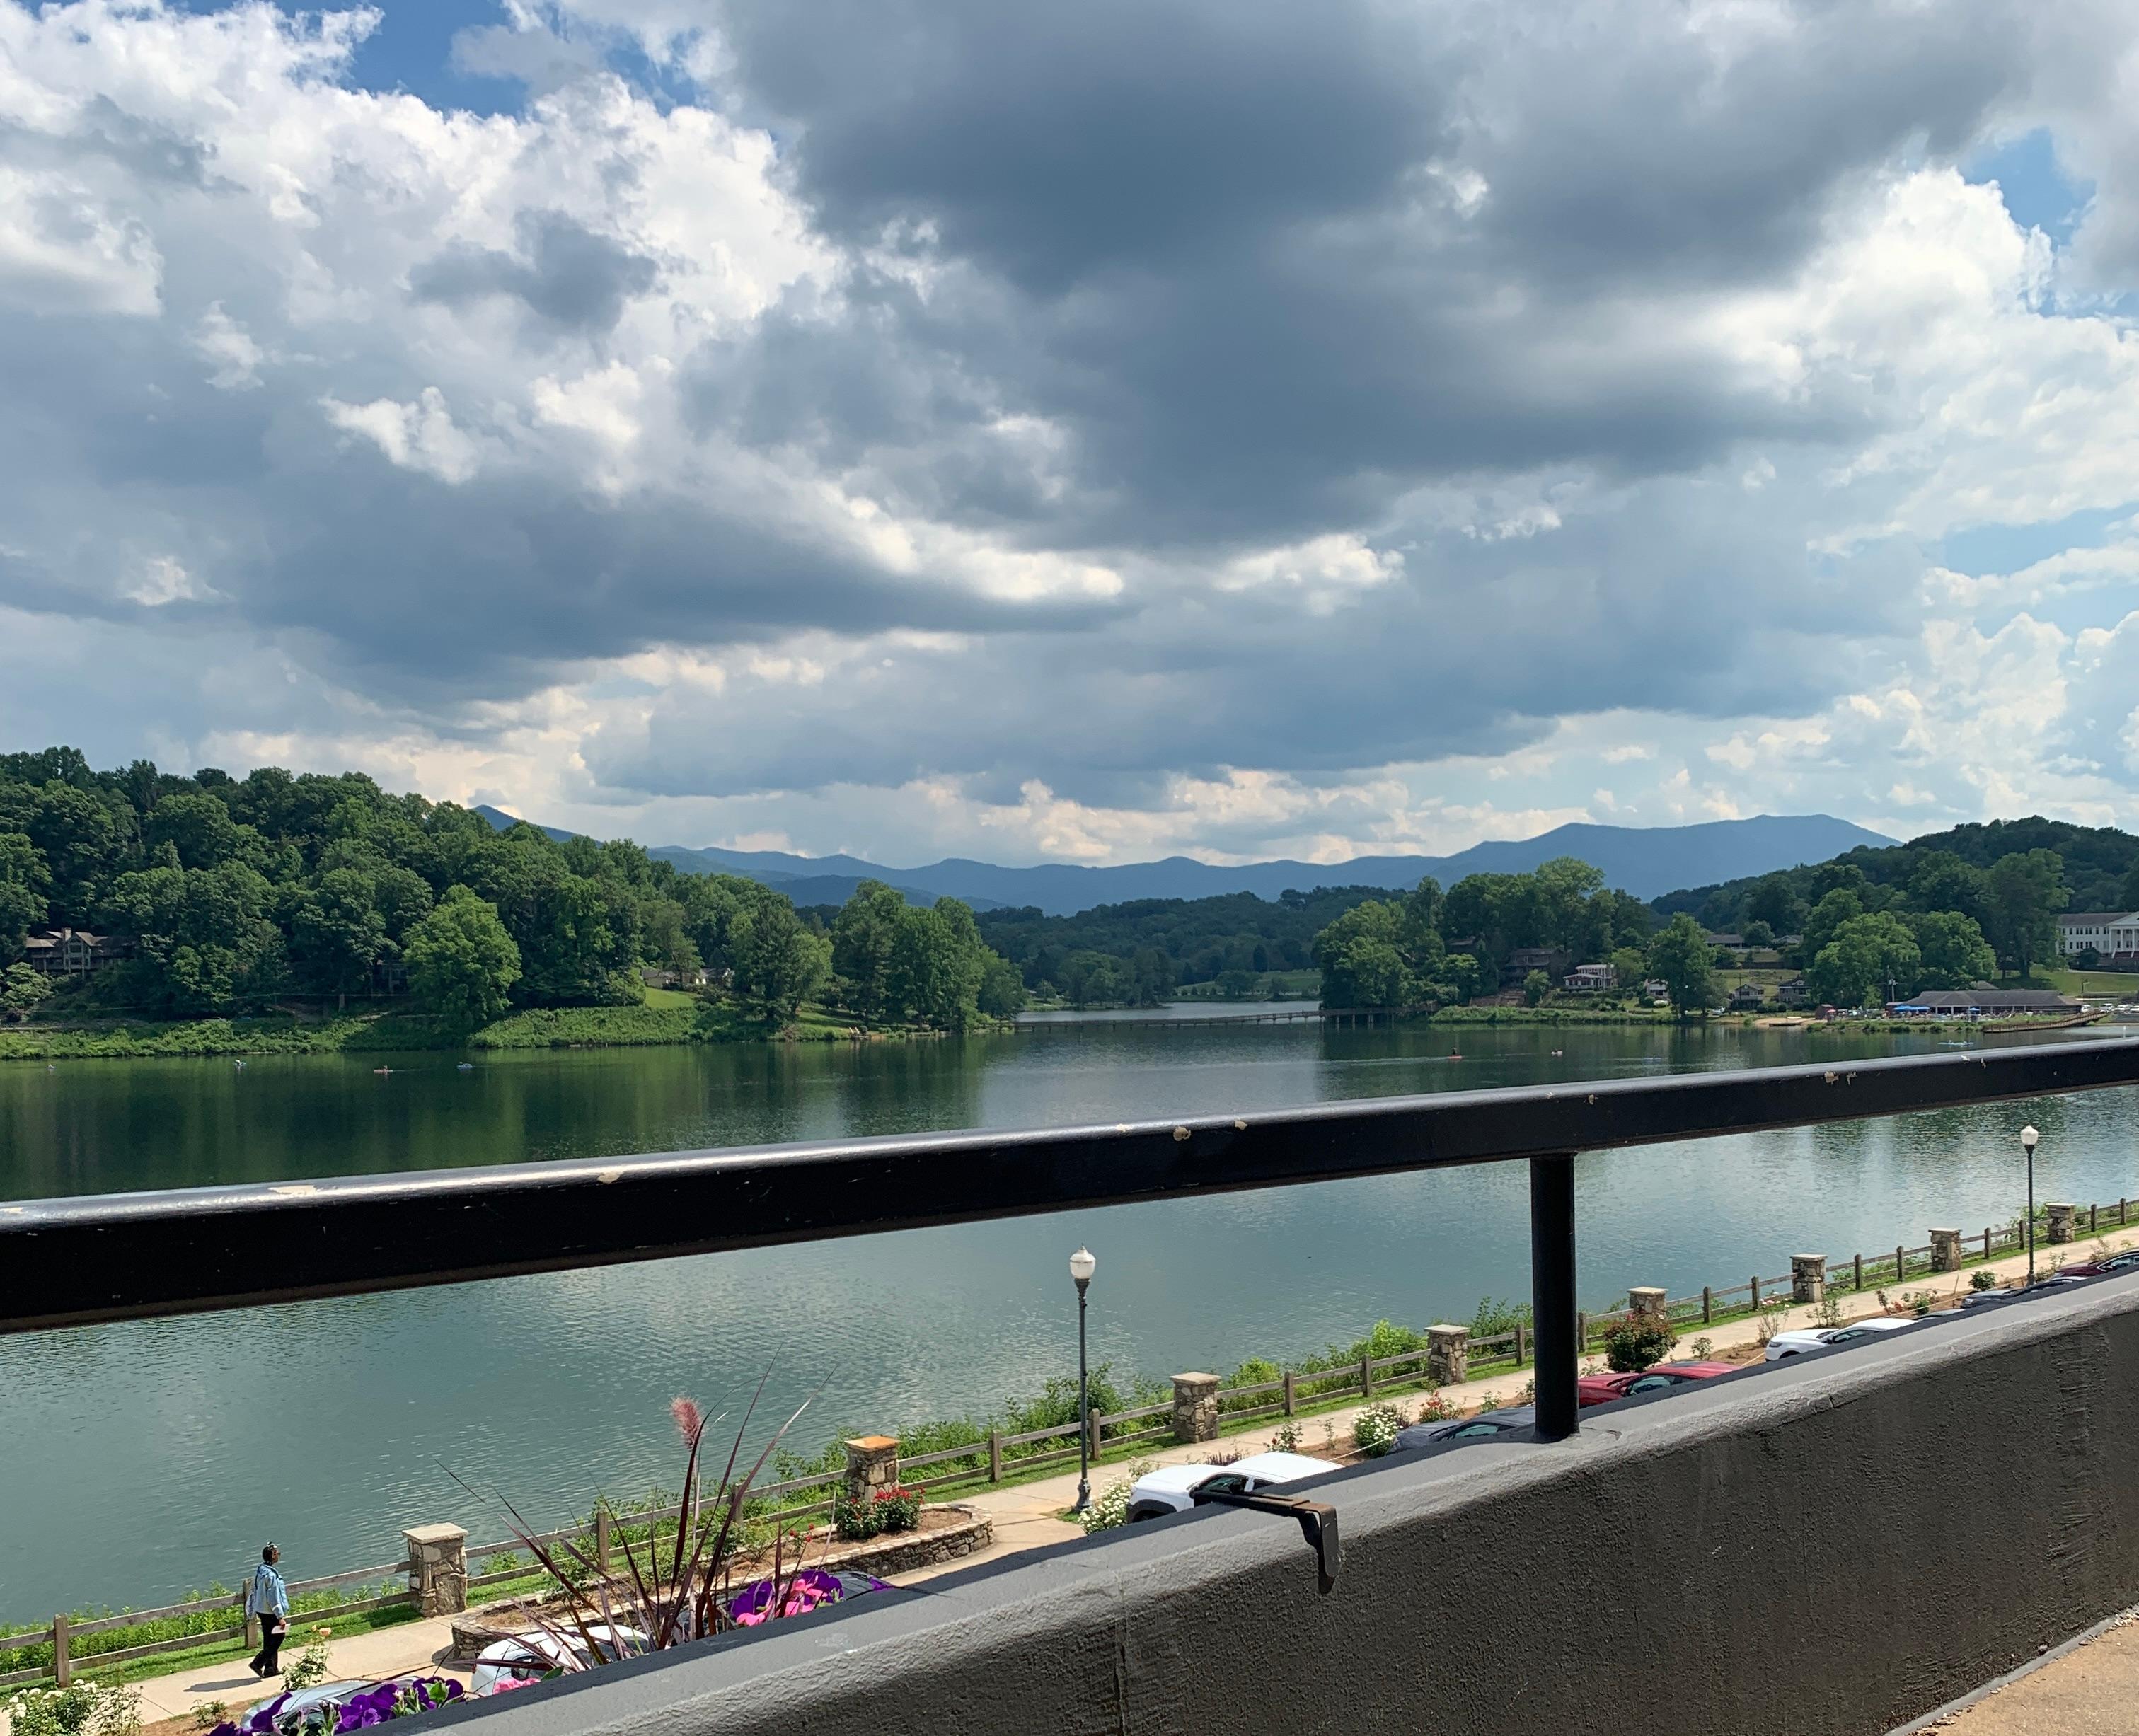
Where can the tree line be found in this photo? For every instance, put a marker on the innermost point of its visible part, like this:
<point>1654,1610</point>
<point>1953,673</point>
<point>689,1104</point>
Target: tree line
<point>232,893</point>
<point>1138,952</point>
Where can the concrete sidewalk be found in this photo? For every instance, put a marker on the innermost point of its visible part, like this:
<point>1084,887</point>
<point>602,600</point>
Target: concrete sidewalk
<point>1030,1515</point>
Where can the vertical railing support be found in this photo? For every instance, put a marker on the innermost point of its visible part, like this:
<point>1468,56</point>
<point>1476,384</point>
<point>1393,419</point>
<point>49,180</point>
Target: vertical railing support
<point>1552,1295</point>
<point>995,1456</point>
<point>601,1541</point>
<point>62,1662</point>
<point>1291,1399</point>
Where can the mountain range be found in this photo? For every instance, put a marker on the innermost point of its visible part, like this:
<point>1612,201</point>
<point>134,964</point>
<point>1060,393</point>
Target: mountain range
<point>1647,861</point>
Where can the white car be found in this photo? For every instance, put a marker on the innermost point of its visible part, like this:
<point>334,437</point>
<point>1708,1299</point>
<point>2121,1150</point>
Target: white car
<point>529,1657</point>
<point>1826,1338</point>
<point>1173,1488</point>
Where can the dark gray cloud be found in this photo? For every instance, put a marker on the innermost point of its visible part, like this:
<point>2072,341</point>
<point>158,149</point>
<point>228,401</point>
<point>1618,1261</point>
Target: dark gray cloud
<point>563,273</point>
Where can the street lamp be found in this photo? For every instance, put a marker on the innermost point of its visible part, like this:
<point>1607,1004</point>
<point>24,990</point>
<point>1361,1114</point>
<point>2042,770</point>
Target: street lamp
<point>2028,1136</point>
<point>1082,1266</point>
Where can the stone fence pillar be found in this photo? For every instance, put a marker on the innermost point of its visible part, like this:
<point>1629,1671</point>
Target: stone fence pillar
<point>1448,1355</point>
<point>1647,1300</point>
<point>1195,1407</point>
<point>1807,1277</point>
<point>872,1465</point>
<point>1946,1250</point>
<point>437,1568</point>
<point>2062,1221</point>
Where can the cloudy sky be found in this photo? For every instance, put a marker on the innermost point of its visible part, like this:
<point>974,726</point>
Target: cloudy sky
<point>1083,431</point>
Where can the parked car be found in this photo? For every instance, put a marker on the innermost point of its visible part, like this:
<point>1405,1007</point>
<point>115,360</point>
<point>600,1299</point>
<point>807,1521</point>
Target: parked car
<point>2125,1259</point>
<point>529,1656</point>
<point>1830,1337</point>
<point>1483,1427</point>
<point>1175,1488</point>
<point>1602,1389</point>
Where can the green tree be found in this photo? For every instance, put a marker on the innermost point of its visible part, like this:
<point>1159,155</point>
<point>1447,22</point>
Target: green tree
<point>463,962</point>
<point>1759,934</point>
<point>25,888</point>
<point>204,939</point>
<point>1363,956</point>
<point>1002,989</point>
<point>1842,905</point>
<point>336,933</point>
<point>1151,976</point>
<point>2023,892</point>
<point>198,826</point>
<point>1679,955</point>
<point>22,987</point>
<point>1954,953</point>
<point>1535,987</point>
<point>1942,880</point>
<point>936,965</point>
<point>1774,901</point>
<point>864,935</point>
<point>777,962</point>
<point>1868,955</point>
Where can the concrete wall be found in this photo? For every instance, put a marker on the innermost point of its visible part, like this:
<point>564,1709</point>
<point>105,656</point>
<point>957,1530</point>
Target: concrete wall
<point>1840,1543</point>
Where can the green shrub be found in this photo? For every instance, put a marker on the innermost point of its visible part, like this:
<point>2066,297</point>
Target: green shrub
<point>1632,1344</point>
<point>1979,1279</point>
<point>83,1708</point>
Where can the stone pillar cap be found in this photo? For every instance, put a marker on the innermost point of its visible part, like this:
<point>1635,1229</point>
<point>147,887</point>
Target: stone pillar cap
<point>1193,1378</point>
<point>2061,1205</point>
<point>435,1534</point>
<point>1444,1328</point>
<point>1808,1258</point>
<point>1946,1232</point>
<point>874,1443</point>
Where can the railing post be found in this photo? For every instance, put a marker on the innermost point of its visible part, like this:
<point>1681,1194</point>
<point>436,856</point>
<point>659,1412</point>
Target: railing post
<point>601,1541</point>
<point>1986,1244</point>
<point>1366,1376</point>
<point>995,1456</point>
<point>1291,1402</point>
<point>1521,1343</point>
<point>1857,1266</point>
<point>2093,1218</point>
<point>1754,1287</point>
<point>1901,1263</point>
<point>1707,1306</point>
<point>1094,1419</point>
<point>1552,1295</point>
<point>62,1665</point>
<point>2120,1211</point>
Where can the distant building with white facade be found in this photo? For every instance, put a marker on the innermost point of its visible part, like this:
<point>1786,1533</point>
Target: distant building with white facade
<point>2108,932</point>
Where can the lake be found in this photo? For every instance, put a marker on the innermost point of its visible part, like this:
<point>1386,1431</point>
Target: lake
<point>139,1461</point>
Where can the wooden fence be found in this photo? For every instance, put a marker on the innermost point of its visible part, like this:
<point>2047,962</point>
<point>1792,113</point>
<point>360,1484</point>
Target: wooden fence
<point>990,1460</point>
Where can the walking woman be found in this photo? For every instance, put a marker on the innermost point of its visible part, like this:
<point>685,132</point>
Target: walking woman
<point>269,1599</point>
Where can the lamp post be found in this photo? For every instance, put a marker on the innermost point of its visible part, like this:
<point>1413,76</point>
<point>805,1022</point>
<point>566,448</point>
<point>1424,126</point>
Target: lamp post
<point>2028,1136</point>
<point>1082,1266</point>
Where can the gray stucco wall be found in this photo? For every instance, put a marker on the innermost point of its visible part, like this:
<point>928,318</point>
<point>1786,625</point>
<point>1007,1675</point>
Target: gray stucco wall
<point>1838,1544</point>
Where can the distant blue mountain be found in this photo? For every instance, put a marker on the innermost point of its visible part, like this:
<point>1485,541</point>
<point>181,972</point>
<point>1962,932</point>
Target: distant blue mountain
<point>1646,861</point>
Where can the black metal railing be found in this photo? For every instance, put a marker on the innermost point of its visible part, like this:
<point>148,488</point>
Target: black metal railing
<point>189,1250</point>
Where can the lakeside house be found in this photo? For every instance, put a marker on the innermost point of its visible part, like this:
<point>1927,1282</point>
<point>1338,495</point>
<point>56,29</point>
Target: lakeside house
<point>1983,1001</point>
<point>72,952</point>
<point>1524,960</point>
<point>1793,993</point>
<point>2111,936</point>
<point>1748,995</point>
<point>1590,979</point>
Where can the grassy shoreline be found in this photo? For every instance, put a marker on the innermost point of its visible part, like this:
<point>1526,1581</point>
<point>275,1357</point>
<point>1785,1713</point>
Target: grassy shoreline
<point>667,1018</point>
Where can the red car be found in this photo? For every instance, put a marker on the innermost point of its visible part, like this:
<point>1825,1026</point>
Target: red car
<point>1602,1389</point>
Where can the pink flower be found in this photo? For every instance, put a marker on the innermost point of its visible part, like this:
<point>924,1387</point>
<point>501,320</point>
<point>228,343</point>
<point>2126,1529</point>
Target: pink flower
<point>689,1422</point>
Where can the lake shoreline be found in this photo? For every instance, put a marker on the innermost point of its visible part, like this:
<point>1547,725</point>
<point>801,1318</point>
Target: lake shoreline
<point>617,1027</point>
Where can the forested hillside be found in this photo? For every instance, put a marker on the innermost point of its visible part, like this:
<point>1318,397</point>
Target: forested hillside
<point>228,895</point>
<point>2100,866</point>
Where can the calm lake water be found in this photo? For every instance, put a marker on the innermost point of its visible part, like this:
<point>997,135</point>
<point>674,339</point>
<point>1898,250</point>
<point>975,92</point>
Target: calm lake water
<point>139,1461</point>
